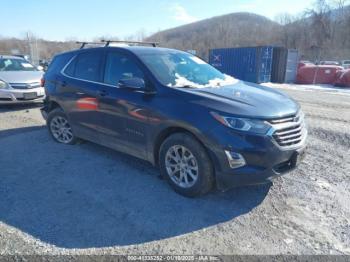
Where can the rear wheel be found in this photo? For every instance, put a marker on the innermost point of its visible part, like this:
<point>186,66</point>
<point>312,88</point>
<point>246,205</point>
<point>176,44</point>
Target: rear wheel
<point>59,127</point>
<point>186,165</point>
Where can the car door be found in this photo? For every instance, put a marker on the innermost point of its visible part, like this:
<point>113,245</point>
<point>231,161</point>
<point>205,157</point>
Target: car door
<point>125,110</point>
<point>79,84</point>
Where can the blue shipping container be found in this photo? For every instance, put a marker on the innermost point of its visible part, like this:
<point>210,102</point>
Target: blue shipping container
<point>252,64</point>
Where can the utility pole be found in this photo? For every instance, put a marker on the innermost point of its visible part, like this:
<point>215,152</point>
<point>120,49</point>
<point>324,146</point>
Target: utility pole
<point>33,48</point>
<point>30,47</point>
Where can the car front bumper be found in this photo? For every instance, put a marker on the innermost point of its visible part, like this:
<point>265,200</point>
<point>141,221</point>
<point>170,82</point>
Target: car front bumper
<point>264,160</point>
<point>19,96</point>
<point>278,164</point>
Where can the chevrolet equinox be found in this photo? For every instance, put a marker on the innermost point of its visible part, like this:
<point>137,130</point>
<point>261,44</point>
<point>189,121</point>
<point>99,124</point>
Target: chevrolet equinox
<point>199,126</point>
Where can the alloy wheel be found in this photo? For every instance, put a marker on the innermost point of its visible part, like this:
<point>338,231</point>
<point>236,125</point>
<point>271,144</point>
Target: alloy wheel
<point>181,166</point>
<point>61,130</point>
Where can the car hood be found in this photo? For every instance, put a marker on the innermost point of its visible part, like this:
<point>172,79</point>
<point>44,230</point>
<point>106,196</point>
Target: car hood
<point>247,100</point>
<point>21,76</point>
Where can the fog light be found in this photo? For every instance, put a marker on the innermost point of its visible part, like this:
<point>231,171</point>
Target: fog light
<point>235,160</point>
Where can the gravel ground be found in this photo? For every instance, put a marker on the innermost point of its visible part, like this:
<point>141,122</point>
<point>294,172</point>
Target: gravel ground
<point>86,199</point>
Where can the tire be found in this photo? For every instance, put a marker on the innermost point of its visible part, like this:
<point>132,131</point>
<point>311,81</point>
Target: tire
<point>57,118</point>
<point>192,175</point>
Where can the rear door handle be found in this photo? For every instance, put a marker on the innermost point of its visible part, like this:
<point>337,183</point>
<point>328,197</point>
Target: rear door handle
<point>102,93</point>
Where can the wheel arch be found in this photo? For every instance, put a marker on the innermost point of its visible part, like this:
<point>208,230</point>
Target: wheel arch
<point>53,105</point>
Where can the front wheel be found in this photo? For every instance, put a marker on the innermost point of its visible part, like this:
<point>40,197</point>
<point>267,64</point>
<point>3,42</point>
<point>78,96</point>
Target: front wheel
<point>59,127</point>
<point>186,165</point>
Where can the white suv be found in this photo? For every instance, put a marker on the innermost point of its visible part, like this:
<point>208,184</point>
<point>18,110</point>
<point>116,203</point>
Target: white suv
<point>20,81</point>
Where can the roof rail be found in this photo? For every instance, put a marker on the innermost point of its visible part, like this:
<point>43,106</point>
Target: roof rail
<point>83,44</point>
<point>154,44</point>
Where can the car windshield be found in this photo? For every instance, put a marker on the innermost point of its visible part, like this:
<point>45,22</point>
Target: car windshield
<point>180,69</point>
<point>12,64</point>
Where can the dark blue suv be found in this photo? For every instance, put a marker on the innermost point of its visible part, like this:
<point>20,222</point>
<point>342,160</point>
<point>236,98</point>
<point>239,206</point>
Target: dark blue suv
<point>200,127</point>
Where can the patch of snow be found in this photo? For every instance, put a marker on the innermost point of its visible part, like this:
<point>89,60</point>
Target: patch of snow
<point>323,88</point>
<point>323,184</point>
<point>181,81</point>
<point>288,241</point>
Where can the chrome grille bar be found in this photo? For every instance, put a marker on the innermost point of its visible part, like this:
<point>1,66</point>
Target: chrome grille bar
<point>281,133</point>
<point>282,138</point>
<point>25,85</point>
<point>289,132</point>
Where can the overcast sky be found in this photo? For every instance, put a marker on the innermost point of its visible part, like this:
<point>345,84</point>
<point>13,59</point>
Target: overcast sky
<point>86,19</point>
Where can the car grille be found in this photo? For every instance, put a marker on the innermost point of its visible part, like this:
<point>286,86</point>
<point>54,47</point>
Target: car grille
<point>25,85</point>
<point>289,131</point>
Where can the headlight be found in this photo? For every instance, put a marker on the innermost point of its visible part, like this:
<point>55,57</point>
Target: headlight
<point>243,124</point>
<point>3,84</point>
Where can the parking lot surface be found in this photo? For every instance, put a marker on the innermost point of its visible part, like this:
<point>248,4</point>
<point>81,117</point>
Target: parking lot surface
<point>86,199</point>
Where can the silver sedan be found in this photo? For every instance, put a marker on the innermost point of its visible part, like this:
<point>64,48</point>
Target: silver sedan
<point>20,81</point>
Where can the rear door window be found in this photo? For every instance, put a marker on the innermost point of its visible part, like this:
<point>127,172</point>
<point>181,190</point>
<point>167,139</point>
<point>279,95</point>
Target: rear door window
<point>120,66</point>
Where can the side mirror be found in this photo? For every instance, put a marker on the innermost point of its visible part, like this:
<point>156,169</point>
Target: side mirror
<point>132,83</point>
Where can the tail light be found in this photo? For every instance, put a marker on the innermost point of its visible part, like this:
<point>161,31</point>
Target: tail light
<point>42,82</point>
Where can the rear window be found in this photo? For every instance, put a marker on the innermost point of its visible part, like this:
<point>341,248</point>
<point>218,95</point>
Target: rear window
<point>85,66</point>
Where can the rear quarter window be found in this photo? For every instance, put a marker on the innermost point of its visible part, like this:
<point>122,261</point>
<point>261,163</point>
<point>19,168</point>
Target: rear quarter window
<point>86,66</point>
<point>58,63</point>
<point>70,69</point>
